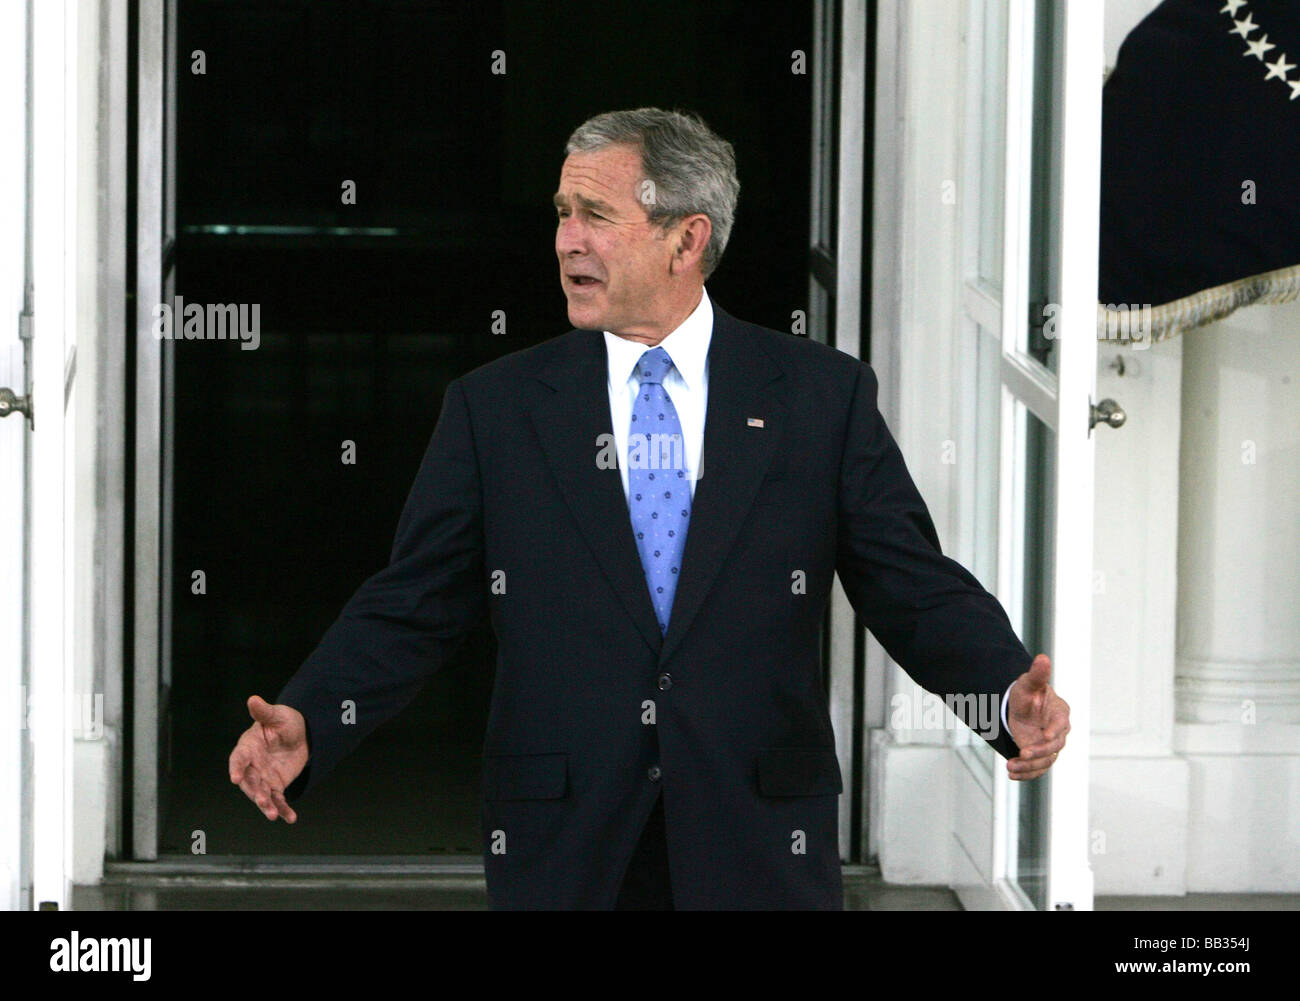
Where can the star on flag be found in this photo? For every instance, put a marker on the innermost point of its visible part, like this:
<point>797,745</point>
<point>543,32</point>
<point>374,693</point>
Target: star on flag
<point>1244,27</point>
<point>1258,47</point>
<point>1279,69</point>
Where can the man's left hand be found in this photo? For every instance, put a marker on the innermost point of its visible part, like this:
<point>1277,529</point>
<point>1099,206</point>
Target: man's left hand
<point>1038,719</point>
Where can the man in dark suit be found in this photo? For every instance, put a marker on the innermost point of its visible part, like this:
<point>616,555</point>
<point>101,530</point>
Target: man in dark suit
<point>658,734</point>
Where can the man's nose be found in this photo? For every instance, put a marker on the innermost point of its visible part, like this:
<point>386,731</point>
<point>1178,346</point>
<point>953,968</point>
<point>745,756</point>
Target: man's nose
<point>570,237</point>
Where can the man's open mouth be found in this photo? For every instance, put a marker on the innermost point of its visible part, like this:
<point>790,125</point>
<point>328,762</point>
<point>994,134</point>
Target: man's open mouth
<point>583,280</point>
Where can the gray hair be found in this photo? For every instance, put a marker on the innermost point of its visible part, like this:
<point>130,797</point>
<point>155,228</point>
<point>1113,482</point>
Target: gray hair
<point>691,169</point>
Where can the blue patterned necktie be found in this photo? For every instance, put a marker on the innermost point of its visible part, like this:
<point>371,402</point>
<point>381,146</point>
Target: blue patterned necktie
<point>659,494</point>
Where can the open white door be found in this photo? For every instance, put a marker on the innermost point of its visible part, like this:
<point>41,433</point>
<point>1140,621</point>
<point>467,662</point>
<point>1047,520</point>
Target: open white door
<point>15,875</point>
<point>38,365</point>
<point>1034,77</point>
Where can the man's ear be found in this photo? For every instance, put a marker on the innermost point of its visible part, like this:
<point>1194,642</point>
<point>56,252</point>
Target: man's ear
<point>692,237</point>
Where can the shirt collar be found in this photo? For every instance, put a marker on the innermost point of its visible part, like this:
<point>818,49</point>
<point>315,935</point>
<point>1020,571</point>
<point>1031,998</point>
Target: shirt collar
<point>687,346</point>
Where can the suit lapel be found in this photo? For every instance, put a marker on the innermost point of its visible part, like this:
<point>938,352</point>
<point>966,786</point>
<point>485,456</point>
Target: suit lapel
<point>573,424</point>
<point>573,421</point>
<point>744,382</point>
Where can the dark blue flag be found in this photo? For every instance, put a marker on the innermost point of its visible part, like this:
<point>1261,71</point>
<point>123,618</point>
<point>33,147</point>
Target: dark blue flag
<point>1200,174</point>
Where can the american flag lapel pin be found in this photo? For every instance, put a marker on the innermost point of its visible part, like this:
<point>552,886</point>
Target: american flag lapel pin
<point>754,422</point>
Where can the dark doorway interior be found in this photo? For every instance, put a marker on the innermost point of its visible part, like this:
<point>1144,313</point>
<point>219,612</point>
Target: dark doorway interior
<point>369,310</point>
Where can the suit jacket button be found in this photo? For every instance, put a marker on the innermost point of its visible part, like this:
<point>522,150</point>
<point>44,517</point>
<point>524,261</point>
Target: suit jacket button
<point>655,773</point>
<point>665,682</point>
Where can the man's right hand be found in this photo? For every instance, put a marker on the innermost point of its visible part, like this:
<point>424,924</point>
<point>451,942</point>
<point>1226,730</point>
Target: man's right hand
<point>270,754</point>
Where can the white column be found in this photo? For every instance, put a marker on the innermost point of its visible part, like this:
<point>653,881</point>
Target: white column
<point>1238,649</point>
<point>1239,553</point>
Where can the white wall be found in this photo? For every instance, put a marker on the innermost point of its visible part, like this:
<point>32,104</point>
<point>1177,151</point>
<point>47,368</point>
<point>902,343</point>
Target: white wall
<point>1139,787</point>
<point>1138,793</point>
<point>1121,17</point>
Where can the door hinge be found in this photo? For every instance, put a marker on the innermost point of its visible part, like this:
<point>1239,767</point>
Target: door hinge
<point>1037,316</point>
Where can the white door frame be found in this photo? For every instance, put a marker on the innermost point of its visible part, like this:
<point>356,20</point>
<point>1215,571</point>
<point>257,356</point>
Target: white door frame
<point>155,239</point>
<point>1070,880</point>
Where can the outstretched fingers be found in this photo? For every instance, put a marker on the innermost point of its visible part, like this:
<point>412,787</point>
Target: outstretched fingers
<point>259,791</point>
<point>1036,758</point>
<point>287,813</point>
<point>1027,771</point>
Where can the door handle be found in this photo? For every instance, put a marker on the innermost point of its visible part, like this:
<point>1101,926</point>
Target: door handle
<point>1106,412</point>
<point>11,402</point>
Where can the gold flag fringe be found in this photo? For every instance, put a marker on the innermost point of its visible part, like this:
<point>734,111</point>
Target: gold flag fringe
<point>1135,322</point>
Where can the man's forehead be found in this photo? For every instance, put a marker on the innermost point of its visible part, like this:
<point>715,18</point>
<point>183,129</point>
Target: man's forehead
<point>608,174</point>
<point>561,200</point>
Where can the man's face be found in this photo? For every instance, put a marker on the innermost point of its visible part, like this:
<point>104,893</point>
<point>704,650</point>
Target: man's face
<point>614,264</point>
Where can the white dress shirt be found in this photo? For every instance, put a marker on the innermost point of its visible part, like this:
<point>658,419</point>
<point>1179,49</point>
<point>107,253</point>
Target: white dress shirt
<point>687,385</point>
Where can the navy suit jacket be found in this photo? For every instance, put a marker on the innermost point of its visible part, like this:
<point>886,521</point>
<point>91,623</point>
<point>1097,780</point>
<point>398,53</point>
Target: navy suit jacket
<point>512,516</point>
